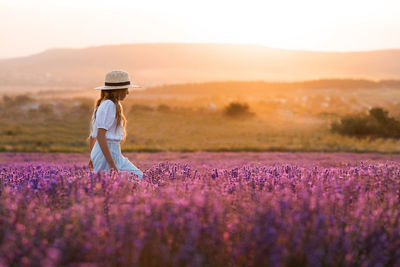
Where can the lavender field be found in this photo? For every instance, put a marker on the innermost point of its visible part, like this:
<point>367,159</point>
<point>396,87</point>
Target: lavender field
<point>201,209</point>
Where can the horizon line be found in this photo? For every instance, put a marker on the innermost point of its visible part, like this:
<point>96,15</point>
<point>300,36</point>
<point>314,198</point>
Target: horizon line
<point>200,43</point>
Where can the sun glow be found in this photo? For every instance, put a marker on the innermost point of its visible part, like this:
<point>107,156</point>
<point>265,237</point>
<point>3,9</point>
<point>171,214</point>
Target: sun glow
<point>310,24</point>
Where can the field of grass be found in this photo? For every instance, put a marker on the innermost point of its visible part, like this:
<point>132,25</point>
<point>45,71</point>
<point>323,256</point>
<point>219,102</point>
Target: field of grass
<point>182,130</point>
<point>191,118</point>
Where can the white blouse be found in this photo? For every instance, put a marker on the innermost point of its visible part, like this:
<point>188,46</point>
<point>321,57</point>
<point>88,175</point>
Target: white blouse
<point>105,118</point>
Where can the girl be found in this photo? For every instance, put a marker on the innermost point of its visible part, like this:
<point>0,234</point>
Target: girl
<point>108,126</point>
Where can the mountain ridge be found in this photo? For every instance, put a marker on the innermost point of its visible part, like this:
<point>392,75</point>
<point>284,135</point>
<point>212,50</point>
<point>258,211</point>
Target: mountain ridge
<point>152,64</point>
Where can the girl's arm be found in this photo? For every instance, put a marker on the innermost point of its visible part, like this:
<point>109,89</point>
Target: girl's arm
<point>101,139</point>
<point>92,141</point>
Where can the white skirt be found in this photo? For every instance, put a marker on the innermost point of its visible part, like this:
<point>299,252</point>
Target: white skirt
<point>123,163</point>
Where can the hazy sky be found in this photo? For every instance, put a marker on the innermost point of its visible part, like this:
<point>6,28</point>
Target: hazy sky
<point>32,26</point>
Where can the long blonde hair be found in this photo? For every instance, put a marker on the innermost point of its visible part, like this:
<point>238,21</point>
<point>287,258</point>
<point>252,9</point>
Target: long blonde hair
<point>112,95</point>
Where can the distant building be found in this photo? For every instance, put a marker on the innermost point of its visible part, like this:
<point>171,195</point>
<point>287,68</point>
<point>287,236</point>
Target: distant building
<point>211,106</point>
<point>30,106</point>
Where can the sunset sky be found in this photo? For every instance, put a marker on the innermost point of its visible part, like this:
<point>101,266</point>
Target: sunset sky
<point>29,27</point>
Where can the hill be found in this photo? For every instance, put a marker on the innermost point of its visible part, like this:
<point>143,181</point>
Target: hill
<point>155,64</point>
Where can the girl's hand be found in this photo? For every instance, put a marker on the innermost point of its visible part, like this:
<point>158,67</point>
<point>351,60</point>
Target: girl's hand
<point>113,168</point>
<point>90,164</point>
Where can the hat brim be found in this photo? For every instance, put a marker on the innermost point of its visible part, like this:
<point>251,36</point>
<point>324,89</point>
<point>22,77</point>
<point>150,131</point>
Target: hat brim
<point>105,87</point>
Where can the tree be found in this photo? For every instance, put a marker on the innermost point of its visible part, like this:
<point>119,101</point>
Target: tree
<point>236,109</point>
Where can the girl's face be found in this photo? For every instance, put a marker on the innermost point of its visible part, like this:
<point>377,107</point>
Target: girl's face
<point>123,93</point>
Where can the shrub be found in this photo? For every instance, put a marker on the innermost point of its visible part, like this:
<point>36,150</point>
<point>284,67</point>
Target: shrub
<point>22,99</point>
<point>18,100</point>
<point>137,107</point>
<point>46,108</point>
<point>12,130</point>
<point>376,124</point>
<point>163,108</point>
<point>236,109</point>
<point>82,111</point>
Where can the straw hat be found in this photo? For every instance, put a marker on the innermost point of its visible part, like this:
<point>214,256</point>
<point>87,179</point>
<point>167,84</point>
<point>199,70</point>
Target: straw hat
<point>117,79</point>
